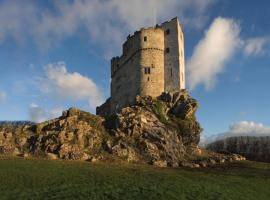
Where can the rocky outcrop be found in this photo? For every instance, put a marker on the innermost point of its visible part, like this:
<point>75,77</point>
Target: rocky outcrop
<point>254,148</point>
<point>160,131</point>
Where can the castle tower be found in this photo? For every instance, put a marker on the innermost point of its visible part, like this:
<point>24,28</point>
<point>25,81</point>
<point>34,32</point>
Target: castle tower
<point>174,61</point>
<point>152,62</point>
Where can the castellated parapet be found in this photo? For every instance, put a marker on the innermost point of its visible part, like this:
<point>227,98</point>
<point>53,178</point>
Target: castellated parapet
<point>152,62</point>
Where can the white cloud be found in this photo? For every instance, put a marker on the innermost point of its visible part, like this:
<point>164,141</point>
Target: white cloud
<point>38,114</point>
<point>242,128</point>
<point>3,96</point>
<point>255,46</point>
<point>220,43</point>
<point>106,22</point>
<point>55,112</point>
<point>73,86</point>
<point>212,52</point>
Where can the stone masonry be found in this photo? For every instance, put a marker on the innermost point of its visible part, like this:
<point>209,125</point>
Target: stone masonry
<point>152,63</point>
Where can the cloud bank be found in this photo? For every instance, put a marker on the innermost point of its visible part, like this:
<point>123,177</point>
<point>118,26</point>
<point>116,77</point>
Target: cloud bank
<point>212,52</point>
<point>106,23</point>
<point>70,85</point>
<point>255,46</point>
<point>38,114</point>
<point>242,128</point>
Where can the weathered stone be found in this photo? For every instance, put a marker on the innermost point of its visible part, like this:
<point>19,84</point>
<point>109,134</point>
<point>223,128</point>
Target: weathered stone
<point>187,164</point>
<point>52,156</point>
<point>196,165</point>
<point>203,163</point>
<point>212,161</point>
<point>160,163</point>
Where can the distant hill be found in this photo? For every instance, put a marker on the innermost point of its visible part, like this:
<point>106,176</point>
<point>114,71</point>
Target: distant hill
<point>253,148</point>
<point>16,123</point>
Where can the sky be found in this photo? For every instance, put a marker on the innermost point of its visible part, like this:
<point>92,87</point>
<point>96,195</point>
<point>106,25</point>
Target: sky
<point>56,54</point>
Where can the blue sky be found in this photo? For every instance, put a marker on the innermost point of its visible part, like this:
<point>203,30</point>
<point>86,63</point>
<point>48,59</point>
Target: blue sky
<point>55,55</point>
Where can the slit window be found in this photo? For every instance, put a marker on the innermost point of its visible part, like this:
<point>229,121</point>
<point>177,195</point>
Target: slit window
<point>167,31</point>
<point>167,50</point>
<point>145,38</point>
<point>148,79</point>
<point>147,70</point>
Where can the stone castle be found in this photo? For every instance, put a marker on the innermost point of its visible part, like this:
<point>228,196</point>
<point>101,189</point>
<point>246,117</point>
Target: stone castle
<point>152,62</point>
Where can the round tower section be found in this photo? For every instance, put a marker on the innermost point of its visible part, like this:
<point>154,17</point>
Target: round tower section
<point>151,61</point>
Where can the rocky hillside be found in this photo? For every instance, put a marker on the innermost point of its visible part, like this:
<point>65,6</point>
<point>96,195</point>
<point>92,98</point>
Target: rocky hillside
<point>254,148</point>
<point>160,131</point>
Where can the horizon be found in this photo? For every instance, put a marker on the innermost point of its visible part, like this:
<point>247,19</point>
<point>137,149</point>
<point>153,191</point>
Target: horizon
<point>54,56</point>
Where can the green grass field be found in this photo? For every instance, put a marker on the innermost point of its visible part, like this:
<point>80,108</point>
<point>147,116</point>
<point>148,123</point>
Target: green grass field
<point>43,179</point>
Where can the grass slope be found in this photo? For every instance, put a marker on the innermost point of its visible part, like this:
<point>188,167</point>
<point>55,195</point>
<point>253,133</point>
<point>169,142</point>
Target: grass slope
<point>44,179</point>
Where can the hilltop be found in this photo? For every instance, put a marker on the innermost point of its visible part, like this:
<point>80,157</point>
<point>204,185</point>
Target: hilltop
<point>161,131</point>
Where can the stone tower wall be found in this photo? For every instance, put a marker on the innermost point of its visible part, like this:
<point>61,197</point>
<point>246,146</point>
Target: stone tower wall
<point>174,56</point>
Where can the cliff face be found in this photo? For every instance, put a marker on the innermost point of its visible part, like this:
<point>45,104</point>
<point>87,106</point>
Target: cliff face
<point>254,148</point>
<point>160,131</point>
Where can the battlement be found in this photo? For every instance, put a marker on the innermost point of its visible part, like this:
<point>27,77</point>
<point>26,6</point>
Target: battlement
<point>152,62</point>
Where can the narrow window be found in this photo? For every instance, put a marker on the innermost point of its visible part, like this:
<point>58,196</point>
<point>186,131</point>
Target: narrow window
<point>167,31</point>
<point>145,38</point>
<point>147,70</point>
<point>148,79</point>
<point>171,72</point>
<point>167,50</point>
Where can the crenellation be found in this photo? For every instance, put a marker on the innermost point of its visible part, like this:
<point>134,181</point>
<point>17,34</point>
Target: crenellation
<point>151,63</point>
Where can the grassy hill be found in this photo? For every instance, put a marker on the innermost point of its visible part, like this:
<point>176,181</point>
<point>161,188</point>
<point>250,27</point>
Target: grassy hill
<point>45,179</point>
